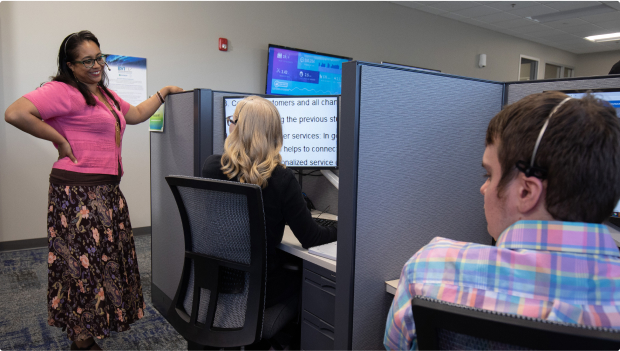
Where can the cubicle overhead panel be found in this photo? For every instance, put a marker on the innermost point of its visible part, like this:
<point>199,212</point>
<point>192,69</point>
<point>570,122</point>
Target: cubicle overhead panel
<point>519,90</point>
<point>421,140</point>
<point>172,153</point>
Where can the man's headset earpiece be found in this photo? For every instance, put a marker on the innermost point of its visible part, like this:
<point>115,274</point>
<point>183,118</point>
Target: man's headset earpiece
<point>532,170</point>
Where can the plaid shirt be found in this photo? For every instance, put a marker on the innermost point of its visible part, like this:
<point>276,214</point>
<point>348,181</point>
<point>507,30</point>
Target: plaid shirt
<point>560,271</point>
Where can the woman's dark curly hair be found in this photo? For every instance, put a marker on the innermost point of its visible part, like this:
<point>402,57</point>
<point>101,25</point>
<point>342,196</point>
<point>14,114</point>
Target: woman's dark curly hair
<point>68,53</point>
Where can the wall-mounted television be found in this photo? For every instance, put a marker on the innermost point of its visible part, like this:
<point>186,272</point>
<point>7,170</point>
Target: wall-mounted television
<point>293,71</point>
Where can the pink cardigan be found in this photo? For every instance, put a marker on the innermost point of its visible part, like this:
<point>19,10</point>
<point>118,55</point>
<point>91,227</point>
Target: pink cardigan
<point>90,130</point>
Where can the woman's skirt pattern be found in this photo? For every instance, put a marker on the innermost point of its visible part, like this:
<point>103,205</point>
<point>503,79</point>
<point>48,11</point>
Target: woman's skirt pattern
<point>94,282</point>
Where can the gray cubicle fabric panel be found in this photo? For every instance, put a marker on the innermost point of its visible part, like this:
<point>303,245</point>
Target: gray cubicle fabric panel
<point>172,153</point>
<point>219,124</point>
<point>520,90</point>
<point>421,141</point>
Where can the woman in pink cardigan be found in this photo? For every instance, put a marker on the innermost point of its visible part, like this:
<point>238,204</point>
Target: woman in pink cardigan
<point>94,282</point>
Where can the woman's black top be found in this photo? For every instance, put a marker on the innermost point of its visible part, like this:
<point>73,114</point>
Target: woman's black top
<point>283,204</point>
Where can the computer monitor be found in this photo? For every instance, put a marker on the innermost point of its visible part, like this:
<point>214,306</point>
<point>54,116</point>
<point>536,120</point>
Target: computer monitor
<point>610,95</point>
<point>309,128</point>
<point>301,72</point>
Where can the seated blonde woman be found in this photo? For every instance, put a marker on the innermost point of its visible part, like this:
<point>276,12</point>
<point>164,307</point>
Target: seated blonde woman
<point>252,155</point>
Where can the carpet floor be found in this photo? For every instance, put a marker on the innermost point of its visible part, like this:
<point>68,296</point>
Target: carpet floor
<point>23,308</point>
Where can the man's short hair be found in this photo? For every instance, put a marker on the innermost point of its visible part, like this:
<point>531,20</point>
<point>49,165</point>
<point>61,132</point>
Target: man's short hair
<point>580,151</point>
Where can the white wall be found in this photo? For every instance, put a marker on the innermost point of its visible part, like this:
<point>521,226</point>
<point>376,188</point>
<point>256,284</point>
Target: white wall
<point>179,40</point>
<point>596,64</point>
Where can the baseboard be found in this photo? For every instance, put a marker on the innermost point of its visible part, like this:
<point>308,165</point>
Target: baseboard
<point>42,242</point>
<point>23,244</point>
<point>142,231</point>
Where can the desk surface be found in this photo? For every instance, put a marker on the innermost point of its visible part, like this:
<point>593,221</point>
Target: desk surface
<point>291,245</point>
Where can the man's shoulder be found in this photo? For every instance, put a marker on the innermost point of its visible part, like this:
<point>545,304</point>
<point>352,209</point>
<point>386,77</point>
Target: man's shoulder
<point>447,250</point>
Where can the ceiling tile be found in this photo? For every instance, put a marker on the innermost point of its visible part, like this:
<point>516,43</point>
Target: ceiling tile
<point>559,38</point>
<point>566,23</point>
<point>507,5</point>
<point>609,27</point>
<point>532,29</point>
<point>583,30</point>
<point>454,16</point>
<point>497,17</point>
<point>452,6</point>
<point>515,23</point>
<point>613,4</point>
<point>411,4</point>
<point>570,5</point>
<point>603,17</point>
<point>531,11</point>
<point>548,32</point>
<point>432,10</point>
<point>426,2</point>
<point>477,11</point>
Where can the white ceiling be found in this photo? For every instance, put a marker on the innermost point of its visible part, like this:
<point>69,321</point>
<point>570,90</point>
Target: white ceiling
<point>561,24</point>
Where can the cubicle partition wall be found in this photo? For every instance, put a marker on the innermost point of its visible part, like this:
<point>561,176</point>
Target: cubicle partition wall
<point>412,144</point>
<point>193,130</point>
<point>518,90</point>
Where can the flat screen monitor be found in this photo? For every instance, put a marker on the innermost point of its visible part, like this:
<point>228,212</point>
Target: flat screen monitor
<point>300,72</point>
<point>610,95</point>
<point>309,128</point>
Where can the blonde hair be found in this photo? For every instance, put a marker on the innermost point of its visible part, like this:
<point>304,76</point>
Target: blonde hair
<point>252,150</point>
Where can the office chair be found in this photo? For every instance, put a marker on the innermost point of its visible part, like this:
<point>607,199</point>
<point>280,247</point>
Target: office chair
<point>442,325</point>
<point>221,295</point>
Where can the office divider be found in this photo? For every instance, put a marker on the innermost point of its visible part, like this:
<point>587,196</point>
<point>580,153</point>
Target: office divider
<point>518,90</point>
<point>411,143</point>
<point>193,130</point>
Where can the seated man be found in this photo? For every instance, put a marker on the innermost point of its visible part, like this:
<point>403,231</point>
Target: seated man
<point>552,177</point>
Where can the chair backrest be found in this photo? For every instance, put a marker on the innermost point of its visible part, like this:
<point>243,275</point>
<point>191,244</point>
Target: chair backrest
<point>221,295</point>
<point>446,326</point>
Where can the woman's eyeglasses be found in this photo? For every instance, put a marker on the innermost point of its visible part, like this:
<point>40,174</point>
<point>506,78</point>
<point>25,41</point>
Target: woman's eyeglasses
<point>229,121</point>
<point>89,63</point>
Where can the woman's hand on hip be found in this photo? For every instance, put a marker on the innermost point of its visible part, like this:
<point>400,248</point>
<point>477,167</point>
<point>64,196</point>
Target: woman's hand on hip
<point>64,150</point>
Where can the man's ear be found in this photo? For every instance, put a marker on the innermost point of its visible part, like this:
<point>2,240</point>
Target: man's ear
<point>531,193</point>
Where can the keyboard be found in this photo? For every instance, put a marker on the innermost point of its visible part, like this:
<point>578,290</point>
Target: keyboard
<point>326,222</point>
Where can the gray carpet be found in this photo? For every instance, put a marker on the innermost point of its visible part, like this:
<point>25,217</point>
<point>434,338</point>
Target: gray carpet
<point>23,308</point>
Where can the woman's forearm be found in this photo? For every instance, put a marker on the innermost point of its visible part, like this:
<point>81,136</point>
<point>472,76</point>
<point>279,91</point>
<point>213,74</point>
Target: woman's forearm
<point>148,107</point>
<point>18,115</point>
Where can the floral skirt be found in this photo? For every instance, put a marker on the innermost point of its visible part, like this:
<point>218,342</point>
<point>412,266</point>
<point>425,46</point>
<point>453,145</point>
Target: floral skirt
<point>94,282</point>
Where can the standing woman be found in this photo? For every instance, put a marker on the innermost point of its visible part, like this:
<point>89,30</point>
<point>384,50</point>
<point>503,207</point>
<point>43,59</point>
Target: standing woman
<point>94,282</point>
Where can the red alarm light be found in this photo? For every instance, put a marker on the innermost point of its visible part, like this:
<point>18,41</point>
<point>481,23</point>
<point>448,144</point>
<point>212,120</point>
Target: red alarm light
<point>223,44</point>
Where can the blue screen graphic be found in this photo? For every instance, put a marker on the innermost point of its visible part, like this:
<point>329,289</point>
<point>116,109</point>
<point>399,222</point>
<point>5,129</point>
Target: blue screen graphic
<point>293,72</point>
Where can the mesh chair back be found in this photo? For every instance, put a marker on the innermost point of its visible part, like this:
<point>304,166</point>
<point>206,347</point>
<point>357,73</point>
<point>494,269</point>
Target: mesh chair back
<point>442,325</point>
<point>220,298</point>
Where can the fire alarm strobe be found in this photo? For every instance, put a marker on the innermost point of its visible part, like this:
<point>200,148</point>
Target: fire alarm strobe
<point>223,44</point>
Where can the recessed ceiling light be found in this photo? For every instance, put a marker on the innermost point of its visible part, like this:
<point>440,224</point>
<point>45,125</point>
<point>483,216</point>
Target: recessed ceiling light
<point>604,37</point>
